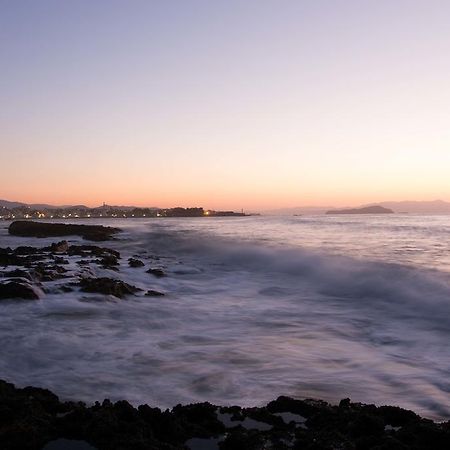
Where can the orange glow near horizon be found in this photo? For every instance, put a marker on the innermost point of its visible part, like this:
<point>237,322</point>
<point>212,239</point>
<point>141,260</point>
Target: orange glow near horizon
<point>255,106</point>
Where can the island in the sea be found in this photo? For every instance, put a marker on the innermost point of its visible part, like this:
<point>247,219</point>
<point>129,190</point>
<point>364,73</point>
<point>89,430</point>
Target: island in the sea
<point>376,209</point>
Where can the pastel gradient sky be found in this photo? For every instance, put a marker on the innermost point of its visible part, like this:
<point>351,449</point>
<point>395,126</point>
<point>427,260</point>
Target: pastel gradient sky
<point>225,104</point>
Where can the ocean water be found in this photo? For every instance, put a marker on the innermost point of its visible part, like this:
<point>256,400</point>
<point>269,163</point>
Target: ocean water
<point>255,307</point>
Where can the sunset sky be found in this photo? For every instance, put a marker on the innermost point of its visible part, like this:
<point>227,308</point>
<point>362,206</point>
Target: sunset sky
<point>224,104</point>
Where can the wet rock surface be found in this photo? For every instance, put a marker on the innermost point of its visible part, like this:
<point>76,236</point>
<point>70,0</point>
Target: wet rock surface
<point>33,418</point>
<point>133,262</point>
<point>159,273</point>
<point>19,288</point>
<point>107,286</point>
<point>43,229</point>
<point>153,293</point>
<point>30,271</point>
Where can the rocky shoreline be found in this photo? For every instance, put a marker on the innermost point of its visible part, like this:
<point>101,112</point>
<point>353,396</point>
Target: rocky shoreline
<point>27,228</point>
<point>28,272</point>
<point>32,419</point>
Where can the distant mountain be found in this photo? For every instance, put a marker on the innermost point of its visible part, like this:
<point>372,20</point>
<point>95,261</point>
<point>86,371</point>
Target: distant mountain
<point>122,207</point>
<point>418,207</point>
<point>376,209</point>
<point>70,206</point>
<point>8,204</point>
<point>413,207</point>
<point>299,210</point>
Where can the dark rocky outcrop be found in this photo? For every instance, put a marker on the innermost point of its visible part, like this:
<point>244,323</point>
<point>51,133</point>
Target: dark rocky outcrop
<point>153,293</point>
<point>107,286</point>
<point>108,262</point>
<point>48,272</point>
<point>43,229</point>
<point>19,289</point>
<point>157,272</point>
<point>133,262</point>
<point>32,417</point>
<point>91,250</point>
<point>22,256</point>
<point>59,247</point>
<point>17,273</point>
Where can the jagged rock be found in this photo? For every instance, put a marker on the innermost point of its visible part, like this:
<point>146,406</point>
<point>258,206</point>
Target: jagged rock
<point>108,261</point>
<point>31,417</point>
<point>10,259</point>
<point>152,293</point>
<point>44,272</point>
<point>59,247</point>
<point>27,250</point>
<point>18,273</point>
<point>16,289</point>
<point>60,260</point>
<point>91,250</point>
<point>43,229</point>
<point>157,272</point>
<point>107,286</point>
<point>133,262</point>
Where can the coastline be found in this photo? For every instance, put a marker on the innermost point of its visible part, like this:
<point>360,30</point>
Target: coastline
<point>34,418</point>
<point>57,267</point>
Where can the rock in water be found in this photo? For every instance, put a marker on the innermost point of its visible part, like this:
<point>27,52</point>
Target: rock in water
<point>42,229</point>
<point>108,286</point>
<point>153,293</point>
<point>16,289</point>
<point>59,247</point>
<point>133,262</point>
<point>157,272</point>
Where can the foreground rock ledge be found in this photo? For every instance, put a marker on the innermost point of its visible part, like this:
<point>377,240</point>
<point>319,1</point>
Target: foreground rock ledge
<point>30,418</point>
<point>44,229</point>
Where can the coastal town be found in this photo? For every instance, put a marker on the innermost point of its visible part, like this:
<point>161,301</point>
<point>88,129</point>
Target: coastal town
<point>23,211</point>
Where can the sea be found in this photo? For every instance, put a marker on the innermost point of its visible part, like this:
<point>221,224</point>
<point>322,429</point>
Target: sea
<point>255,307</point>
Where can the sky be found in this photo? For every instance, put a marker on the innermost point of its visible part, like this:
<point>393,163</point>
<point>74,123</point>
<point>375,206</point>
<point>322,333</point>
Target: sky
<point>224,104</point>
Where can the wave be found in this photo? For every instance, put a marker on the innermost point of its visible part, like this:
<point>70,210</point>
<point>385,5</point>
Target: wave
<point>406,290</point>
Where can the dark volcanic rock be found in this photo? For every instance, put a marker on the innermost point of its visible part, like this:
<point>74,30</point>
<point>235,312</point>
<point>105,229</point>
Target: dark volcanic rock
<point>132,262</point>
<point>18,273</point>
<point>48,272</point>
<point>107,286</point>
<point>108,261</point>
<point>59,247</point>
<point>12,259</point>
<point>91,250</point>
<point>27,250</point>
<point>157,272</point>
<point>31,417</point>
<point>152,293</point>
<point>60,260</point>
<point>16,289</point>
<point>43,229</point>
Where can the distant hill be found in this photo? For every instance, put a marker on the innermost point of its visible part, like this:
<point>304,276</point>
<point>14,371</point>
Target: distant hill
<point>298,210</point>
<point>8,204</point>
<point>418,207</point>
<point>413,207</point>
<point>376,209</point>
